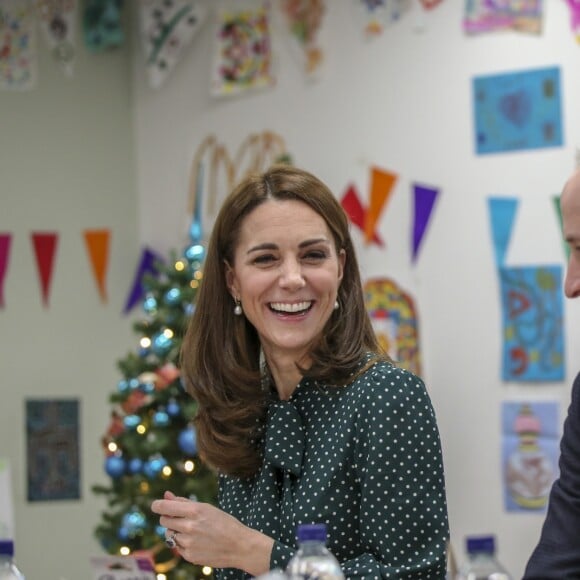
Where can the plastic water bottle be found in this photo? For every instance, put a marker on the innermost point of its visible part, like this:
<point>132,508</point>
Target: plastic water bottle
<point>482,563</point>
<point>8,569</point>
<point>313,559</point>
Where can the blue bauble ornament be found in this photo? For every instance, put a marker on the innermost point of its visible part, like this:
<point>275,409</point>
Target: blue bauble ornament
<point>134,383</point>
<point>148,388</point>
<point>187,441</point>
<point>134,522</point>
<point>123,533</point>
<point>131,421</point>
<point>150,304</point>
<point>115,466</point>
<point>135,465</point>
<point>173,408</point>
<point>195,252</point>
<point>123,386</point>
<point>172,296</point>
<point>161,344</point>
<point>152,468</point>
<point>160,531</point>
<point>161,418</point>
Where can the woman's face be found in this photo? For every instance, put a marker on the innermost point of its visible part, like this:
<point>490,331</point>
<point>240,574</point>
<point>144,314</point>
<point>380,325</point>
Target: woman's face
<point>286,273</point>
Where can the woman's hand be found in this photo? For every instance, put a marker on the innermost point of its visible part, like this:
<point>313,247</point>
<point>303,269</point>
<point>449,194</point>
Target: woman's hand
<point>208,536</point>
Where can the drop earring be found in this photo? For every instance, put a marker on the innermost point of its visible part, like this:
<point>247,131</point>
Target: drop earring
<point>238,308</point>
<point>336,305</point>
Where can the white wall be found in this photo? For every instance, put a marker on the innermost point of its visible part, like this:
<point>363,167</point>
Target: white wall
<point>403,102</point>
<point>66,164</point>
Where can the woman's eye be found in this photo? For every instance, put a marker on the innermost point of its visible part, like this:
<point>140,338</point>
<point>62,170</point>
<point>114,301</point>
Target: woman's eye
<point>315,255</point>
<point>264,259</point>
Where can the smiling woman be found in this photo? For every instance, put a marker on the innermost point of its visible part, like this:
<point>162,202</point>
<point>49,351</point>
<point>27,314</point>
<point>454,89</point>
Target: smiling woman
<point>302,415</point>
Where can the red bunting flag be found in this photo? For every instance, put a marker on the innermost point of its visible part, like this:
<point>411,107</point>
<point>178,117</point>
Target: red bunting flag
<point>5,240</point>
<point>356,212</point>
<point>97,242</point>
<point>45,248</point>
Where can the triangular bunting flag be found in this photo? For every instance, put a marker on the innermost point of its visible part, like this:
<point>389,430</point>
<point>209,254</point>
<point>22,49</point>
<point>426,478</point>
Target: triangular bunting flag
<point>166,29</point>
<point>5,240</point>
<point>44,250</point>
<point>556,200</point>
<point>382,183</point>
<point>502,211</point>
<point>146,266</point>
<point>97,242</point>
<point>355,211</point>
<point>424,201</point>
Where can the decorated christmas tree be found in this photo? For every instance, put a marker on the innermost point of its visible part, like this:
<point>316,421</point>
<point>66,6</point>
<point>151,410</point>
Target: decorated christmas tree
<point>150,445</point>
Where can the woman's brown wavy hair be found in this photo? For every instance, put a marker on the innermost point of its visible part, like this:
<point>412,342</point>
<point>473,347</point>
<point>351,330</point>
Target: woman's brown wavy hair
<point>220,351</point>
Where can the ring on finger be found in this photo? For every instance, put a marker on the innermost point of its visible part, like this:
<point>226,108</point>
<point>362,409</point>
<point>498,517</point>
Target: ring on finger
<point>171,541</point>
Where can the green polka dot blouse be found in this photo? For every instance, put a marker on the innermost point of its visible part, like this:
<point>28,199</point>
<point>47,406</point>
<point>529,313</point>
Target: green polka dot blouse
<point>366,460</point>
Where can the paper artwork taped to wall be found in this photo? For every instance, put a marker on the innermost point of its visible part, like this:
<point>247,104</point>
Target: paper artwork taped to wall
<point>394,319</point>
<point>517,111</point>
<point>489,16</point>
<point>377,15</point>
<point>58,20</point>
<point>532,322</point>
<point>530,451</point>
<point>17,45</point>
<point>243,52</point>
<point>531,304</point>
<point>166,30</point>
<point>304,20</point>
<point>52,443</point>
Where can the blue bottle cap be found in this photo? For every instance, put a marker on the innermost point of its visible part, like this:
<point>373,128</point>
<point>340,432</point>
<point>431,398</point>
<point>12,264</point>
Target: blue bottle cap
<point>312,533</point>
<point>480,544</point>
<point>6,548</point>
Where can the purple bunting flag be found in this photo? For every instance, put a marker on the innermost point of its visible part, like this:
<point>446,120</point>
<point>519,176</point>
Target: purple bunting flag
<point>146,266</point>
<point>424,199</point>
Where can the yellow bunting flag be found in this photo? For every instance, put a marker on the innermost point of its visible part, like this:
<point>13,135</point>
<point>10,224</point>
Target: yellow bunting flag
<point>97,242</point>
<point>382,183</point>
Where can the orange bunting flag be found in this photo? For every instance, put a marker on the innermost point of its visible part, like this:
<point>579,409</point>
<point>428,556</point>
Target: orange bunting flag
<point>382,183</point>
<point>45,249</point>
<point>97,243</point>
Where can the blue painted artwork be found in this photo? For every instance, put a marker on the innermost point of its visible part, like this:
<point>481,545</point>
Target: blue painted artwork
<point>518,111</point>
<point>532,321</point>
<point>52,433</point>
<point>530,450</point>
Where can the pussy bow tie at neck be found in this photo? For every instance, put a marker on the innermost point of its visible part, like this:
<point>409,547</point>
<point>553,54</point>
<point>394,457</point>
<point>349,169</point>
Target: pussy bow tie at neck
<point>284,443</point>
